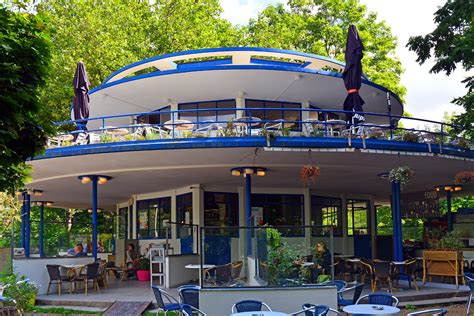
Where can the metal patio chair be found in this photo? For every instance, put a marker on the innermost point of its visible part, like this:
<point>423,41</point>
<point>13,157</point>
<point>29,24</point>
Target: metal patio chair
<point>188,310</point>
<point>55,277</point>
<point>469,277</point>
<point>160,296</point>
<point>313,310</point>
<point>379,298</point>
<point>249,306</point>
<point>433,312</point>
<point>189,294</point>
<point>357,288</point>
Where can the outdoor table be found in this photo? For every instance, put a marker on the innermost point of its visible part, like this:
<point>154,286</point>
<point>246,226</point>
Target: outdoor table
<point>198,266</point>
<point>65,137</point>
<point>259,313</point>
<point>179,125</point>
<point>371,309</point>
<point>397,265</point>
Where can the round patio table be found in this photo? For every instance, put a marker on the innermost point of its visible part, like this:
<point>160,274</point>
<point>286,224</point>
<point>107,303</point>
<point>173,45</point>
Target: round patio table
<point>179,125</point>
<point>259,313</point>
<point>371,309</point>
<point>246,120</point>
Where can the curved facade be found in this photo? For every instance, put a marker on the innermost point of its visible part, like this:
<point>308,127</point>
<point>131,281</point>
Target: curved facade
<point>175,125</point>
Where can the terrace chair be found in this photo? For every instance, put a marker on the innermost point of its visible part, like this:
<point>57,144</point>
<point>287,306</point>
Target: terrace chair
<point>152,132</point>
<point>310,126</point>
<point>103,273</point>
<point>249,306</point>
<point>188,310</point>
<point>189,294</point>
<point>55,277</point>
<point>357,288</point>
<point>219,275</point>
<point>275,126</point>
<point>469,277</point>
<point>381,272</point>
<point>433,312</point>
<point>411,270</point>
<point>160,296</point>
<point>92,274</point>
<point>315,310</point>
<point>379,298</point>
<point>235,270</point>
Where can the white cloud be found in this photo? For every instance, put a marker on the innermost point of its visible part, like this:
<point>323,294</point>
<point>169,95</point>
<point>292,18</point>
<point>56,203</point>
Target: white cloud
<point>428,95</point>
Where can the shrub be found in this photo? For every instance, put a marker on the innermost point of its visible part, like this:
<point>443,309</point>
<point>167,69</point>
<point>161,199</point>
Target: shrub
<point>22,291</point>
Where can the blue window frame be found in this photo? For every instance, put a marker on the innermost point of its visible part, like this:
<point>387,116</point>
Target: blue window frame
<point>151,215</point>
<point>292,118</point>
<point>184,210</point>
<point>326,211</point>
<point>280,210</point>
<point>211,114</point>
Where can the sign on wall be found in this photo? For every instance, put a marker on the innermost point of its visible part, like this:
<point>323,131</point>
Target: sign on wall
<point>420,204</point>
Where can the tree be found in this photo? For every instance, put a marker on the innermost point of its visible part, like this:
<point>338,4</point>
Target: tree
<point>451,44</point>
<point>320,27</point>
<point>24,65</point>
<point>110,34</point>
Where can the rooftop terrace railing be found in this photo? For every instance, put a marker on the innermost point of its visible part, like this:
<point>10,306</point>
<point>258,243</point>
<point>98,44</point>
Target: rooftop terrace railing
<point>253,122</point>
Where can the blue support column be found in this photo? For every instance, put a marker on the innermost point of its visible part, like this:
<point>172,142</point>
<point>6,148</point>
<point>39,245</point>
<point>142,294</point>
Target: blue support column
<point>27,225</point>
<point>41,230</point>
<point>23,226</point>
<point>397,222</point>
<point>248,211</point>
<point>449,214</point>
<point>94,217</point>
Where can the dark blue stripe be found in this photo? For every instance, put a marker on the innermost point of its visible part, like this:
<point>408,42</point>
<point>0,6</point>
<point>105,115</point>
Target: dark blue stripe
<point>235,142</point>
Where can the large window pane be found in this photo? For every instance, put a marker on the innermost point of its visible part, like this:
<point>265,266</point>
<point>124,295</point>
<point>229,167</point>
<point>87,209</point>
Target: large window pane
<point>122,223</point>
<point>227,115</point>
<point>142,216</point>
<point>279,210</point>
<point>184,210</point>
<point>221,210</point>
<point>152,217</point>
<point>326,211</point>
<point>190,116</point>
<point>358,217</point>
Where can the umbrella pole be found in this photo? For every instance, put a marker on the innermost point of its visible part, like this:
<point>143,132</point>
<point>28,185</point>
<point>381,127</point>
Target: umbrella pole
<point>389,108</point>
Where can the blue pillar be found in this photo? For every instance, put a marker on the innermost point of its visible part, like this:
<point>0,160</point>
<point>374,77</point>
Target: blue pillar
<point>449,214</point>
<point>248,211</point>
<point>27,225</point>
<point>94,217</point>
<point>23,226</point>
<point>397,222</point>
<point>41,230</point>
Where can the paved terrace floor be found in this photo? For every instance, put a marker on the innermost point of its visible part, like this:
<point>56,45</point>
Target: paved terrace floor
<point>132,290</point>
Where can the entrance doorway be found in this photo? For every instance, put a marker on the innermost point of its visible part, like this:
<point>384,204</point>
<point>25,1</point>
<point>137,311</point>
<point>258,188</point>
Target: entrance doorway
<point>358,226</point>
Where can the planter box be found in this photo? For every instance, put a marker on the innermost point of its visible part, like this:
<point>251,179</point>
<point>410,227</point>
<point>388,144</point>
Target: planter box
<point>443,263</point>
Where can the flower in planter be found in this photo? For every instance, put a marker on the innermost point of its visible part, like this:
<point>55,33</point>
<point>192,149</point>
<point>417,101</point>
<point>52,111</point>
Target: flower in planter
<point>463,177</point>
<point>309,174</point>
<point>401,174</point>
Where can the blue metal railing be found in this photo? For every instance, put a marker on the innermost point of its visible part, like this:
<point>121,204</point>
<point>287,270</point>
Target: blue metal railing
<point>250,122</point>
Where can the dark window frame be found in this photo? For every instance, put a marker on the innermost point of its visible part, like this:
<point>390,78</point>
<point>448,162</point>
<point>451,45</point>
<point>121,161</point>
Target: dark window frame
<point>339,231</point>
<point>212,109</point>
<point>368,222</point>
<point>180,214</point>
<point>160,201</point>
<point>228,202</point>
<point>282,104</point>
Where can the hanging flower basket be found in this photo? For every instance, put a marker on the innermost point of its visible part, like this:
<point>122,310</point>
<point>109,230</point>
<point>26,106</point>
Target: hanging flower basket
<point>401,175</point>
<point>309,174</point>
<point>463,177</point>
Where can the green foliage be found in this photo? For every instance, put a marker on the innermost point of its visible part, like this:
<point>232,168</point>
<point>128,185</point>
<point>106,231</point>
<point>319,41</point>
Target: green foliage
<point>450,241</point>
<point>22,292</point>
<point>451,43</point>
<point>229,129</point>
<point>401,174</point>
<point>456,203</point>
<point>62,311</point>
<point>410,137</point>
<point>320,27</point>
<point>143,264</point>
<point>24,65</point>
<point>111,34</point>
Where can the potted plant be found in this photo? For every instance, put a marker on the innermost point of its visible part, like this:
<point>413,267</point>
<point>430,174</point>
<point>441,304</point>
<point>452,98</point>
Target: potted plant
<point>143,269</point>
<point>21,290</point>
<point>309,173</point>
<point>410,137</point>
<point>445,258</point>
<point>401,175</point>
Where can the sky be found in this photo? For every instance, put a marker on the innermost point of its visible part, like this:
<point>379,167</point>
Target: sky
<point>428,95</point>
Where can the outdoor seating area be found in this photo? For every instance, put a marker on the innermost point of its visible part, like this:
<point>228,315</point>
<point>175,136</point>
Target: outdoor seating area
<point>252,126</point>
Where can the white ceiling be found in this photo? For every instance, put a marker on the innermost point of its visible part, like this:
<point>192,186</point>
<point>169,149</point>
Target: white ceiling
<point>161,170</point>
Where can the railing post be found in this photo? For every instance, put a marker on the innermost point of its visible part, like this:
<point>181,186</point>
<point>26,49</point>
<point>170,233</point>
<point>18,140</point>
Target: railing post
<point>325,124</point>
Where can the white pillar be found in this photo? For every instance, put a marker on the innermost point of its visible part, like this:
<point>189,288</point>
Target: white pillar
<point>305,114</point>
<point>174,107</point>
<point>344,224</point>
<point>240,104</point>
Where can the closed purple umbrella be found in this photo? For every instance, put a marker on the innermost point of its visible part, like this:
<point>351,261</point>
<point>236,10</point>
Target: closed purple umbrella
<point>352,75</point>
<point>80,101</point>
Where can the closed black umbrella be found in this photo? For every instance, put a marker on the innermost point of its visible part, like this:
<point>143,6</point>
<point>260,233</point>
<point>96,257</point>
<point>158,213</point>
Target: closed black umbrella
<point>352,75</point>
<point>80,101</point>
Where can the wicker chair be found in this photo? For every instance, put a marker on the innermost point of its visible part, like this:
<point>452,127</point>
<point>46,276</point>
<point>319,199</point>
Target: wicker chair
<point>55,277</point>
<point>91,275</point>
